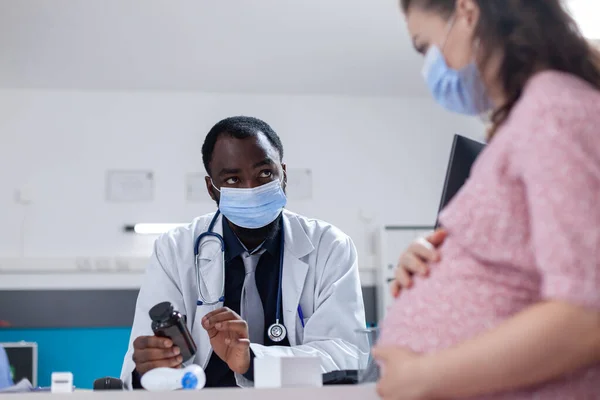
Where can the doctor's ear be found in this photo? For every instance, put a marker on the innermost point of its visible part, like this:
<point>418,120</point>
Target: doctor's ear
<point>210,188</point>
<point>284,168</point>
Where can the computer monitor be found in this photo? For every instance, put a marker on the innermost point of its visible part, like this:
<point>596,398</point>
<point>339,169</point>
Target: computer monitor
<point>23,360</point>
<point>462,156</point>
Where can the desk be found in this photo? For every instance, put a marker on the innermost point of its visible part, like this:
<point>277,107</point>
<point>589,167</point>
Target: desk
<point>346,392</point>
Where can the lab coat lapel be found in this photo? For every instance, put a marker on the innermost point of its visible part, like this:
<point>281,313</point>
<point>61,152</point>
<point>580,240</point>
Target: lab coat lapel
<point>297,246</point>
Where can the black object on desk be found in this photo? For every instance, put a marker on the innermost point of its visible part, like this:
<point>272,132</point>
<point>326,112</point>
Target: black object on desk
<point>108,383</point>
<point>344,377</point>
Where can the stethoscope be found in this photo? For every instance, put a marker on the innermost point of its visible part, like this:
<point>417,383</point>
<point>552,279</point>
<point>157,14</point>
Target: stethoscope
<point>277,331</point>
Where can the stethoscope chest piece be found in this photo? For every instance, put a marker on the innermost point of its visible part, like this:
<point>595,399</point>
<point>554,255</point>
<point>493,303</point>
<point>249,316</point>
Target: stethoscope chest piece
<point>277,332</point>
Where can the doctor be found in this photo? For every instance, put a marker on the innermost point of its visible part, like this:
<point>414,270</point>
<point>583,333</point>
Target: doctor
<point>284,285</point>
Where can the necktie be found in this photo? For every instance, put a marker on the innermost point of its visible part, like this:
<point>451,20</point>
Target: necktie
<point>251,305</point>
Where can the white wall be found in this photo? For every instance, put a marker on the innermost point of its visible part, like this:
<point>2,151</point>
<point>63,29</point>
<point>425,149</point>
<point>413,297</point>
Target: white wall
<point>383,158</point>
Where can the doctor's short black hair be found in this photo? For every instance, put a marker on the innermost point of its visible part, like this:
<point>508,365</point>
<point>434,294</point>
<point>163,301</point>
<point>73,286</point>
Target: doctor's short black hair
<point>239,127</point>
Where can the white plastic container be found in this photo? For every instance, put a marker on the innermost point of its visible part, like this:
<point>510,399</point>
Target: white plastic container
<point>169,379</point>
<point>284,372</point>
<point>62,382</point>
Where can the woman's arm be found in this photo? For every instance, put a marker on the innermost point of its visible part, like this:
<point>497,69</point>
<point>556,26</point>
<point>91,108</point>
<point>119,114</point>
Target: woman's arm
<point>544,342</point>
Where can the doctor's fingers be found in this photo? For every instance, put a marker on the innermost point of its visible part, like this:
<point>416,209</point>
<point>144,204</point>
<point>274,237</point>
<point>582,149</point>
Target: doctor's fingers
<point>239,327</point>
<point>146,355</point>
<point>222,310</point>
<point>226,315</point>
<point>173,362</point>
<point>239,343</point>
<point>152,342</point>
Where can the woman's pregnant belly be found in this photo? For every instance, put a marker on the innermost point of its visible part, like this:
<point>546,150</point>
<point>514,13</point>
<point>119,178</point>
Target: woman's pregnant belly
<point>461,298</point>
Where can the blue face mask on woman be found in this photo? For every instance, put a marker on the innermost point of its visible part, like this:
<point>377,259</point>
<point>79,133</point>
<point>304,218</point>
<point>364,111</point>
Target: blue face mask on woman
<point>252,208</point>
<point>461,91</point>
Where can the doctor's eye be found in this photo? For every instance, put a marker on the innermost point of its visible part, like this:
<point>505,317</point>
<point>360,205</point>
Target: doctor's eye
<point>232,181</point>
<point>266,173</point>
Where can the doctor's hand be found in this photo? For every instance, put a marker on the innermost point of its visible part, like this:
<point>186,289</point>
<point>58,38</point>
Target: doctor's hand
<point>150,352</point>
<point>404,375</point>
<point>229,338</point>
<point>415,259</point>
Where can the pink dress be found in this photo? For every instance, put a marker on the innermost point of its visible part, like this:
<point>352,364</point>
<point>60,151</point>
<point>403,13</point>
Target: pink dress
<point>524,228</point>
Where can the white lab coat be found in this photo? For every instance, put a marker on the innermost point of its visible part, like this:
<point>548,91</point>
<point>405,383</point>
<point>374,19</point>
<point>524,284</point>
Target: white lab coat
<point>320,273</point>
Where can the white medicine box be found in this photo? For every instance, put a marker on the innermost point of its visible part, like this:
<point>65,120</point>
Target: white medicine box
<point>62,382</point>
<point>284,372</point>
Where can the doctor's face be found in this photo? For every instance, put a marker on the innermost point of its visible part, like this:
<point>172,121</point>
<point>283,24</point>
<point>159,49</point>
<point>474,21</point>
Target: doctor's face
<point>243,163</point>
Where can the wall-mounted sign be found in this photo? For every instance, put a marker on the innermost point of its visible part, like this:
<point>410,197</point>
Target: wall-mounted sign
<point>129,186</point>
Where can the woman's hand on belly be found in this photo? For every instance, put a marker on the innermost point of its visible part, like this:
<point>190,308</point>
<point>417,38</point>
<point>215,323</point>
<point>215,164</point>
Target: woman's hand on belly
<point>415,260</point>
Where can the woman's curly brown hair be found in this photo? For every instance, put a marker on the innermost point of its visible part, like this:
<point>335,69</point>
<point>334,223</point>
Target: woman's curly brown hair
<point>532,34</point>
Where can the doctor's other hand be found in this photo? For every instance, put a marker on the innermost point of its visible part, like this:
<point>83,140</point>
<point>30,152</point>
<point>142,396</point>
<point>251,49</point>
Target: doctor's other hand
<point>415,259</point>
<point>150,352</point>
<point>229,338</point>
<point>403,374</point>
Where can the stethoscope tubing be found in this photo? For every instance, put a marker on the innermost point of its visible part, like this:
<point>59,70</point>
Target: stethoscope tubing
<point>202,301</point>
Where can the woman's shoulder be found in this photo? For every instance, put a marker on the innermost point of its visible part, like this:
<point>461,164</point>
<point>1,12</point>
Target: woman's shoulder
<point>560,94</point>
<point>555,84</point>
<point>557,107</point>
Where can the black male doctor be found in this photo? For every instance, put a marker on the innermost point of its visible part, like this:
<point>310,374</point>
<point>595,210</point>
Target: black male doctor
<point>286,285</point>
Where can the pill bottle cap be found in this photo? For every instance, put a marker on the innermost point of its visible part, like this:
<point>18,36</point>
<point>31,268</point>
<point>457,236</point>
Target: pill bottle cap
<point>161,312</point>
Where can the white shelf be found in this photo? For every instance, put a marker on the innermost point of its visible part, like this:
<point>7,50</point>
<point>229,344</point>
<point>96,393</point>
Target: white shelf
<point>72,265</point>
<point>91,273</point>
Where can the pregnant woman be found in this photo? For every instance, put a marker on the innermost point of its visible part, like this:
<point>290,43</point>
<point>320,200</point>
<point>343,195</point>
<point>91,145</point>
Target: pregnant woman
<point>511,309</point>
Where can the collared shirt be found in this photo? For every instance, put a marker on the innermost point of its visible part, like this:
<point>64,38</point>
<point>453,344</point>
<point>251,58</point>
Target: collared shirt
<point>218,373</point>
<point>5,375</point>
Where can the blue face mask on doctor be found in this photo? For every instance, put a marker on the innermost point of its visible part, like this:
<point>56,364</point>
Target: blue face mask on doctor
<point>252,208</point>
<point>461,91</point>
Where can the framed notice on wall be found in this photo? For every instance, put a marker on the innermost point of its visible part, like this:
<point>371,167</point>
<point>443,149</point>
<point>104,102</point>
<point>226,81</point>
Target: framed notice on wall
<point>129,186</point>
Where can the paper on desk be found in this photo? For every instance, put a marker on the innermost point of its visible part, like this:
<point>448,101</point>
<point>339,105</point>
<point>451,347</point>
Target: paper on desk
<point>23,386</point>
